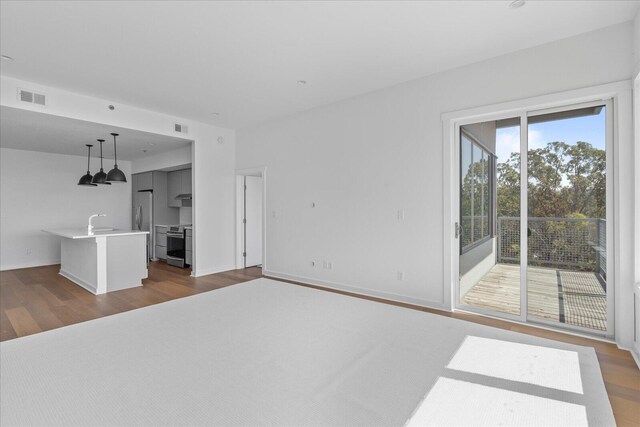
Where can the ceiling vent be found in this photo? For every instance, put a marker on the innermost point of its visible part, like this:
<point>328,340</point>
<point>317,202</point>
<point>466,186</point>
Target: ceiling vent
<point>31,97</point>
<point>180,128</point>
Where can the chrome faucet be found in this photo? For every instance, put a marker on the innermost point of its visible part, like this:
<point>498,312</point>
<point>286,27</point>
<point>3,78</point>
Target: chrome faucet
<point>90,227</point>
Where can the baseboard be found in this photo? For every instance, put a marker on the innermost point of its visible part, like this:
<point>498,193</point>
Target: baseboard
<point>636,357</point>
<point>78,281</point>
<point>214,270</point>
<point>438,305</point>
<point>30,264</point>
<point>634,354</point>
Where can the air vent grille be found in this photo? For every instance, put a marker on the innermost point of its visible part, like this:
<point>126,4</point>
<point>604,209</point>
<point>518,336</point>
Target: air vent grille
<point>32,97</point>
<point>180,128</point>
<point>39,99</point>
<point>26,96</point>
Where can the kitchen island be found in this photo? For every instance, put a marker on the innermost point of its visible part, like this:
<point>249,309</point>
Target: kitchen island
<point>103,260</point>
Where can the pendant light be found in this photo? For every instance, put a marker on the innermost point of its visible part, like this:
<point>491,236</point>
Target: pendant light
<point>115,174</point>
<point>86,179</point>
<point>100,177</point>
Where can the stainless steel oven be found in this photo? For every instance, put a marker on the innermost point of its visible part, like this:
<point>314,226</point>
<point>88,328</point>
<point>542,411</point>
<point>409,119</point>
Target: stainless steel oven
<point>176,246</point>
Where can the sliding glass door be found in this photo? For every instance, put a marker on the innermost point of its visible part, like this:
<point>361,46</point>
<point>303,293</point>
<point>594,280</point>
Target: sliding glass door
<point>490,217</point>
<point>533,217</point>
<point>567,217</point>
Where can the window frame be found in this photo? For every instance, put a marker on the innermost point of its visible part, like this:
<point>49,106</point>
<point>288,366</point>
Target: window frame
<point>491,192</point>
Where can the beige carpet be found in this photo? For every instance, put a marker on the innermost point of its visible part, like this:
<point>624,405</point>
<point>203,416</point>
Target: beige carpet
<point>270,353</point>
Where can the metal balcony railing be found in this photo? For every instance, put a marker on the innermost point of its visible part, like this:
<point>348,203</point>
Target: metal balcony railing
<point>575,243</point>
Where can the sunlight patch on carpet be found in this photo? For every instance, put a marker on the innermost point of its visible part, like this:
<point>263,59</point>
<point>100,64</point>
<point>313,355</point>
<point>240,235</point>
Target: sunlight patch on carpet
<point>531,364</point>
<point>458,403</point>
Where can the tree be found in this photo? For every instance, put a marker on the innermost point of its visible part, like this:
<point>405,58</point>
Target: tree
<point>563,180</point>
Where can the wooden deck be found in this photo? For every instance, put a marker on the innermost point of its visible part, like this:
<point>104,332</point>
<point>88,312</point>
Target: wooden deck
<point>564,296</point>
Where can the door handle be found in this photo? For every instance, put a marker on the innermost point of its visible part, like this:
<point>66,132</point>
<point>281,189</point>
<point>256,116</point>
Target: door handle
<point>458,230</point>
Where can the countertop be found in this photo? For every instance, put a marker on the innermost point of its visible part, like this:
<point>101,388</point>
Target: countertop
<point>83,233</point>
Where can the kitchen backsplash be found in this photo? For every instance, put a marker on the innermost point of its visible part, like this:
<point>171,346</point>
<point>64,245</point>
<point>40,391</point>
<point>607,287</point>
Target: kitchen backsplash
<point>185,216</point>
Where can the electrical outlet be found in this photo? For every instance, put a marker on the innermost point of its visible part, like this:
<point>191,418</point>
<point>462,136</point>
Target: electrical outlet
<point>401,215</point>
<point>27,251</point>
<point>400,275</point>
<point>329,265</point>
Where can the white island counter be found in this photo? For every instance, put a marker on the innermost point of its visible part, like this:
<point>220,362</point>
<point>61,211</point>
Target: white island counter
<point>103,260</point>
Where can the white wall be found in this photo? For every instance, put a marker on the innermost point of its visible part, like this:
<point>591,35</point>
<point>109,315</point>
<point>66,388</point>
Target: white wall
<point>636,123</point>
<point>636,44</point>
<point>484,265</point>
<point>213,162</point>
<point>39,191</point>
<point>363,159</point>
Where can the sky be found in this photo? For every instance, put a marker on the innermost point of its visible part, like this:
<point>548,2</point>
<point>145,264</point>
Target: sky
<point>590,129</point>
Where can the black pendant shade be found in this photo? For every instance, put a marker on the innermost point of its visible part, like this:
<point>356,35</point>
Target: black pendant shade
<point>115,174</point>
<point>100,177</point>
<point>86,179</point>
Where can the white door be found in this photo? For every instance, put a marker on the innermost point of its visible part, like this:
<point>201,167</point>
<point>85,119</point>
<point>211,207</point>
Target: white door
<point>253,221</point>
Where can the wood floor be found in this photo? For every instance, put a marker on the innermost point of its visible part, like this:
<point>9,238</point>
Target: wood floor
<point>572,297</point>
<point>38,299</point>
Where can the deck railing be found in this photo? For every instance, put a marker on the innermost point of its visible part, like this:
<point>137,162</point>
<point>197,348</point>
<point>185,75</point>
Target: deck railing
<point>576,243</point>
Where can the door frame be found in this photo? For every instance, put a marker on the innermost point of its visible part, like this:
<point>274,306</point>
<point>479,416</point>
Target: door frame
<point>522,108</point>
<point>239,213</point>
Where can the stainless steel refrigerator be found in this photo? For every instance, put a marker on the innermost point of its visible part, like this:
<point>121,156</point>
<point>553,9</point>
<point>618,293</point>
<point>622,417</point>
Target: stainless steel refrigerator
<point>143,216</point>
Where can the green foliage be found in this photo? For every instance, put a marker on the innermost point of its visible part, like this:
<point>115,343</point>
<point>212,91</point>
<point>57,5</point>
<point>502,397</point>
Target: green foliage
<point>564,180</point>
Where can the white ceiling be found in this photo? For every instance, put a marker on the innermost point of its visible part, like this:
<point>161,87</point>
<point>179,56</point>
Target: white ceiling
<point>33,131</point>
<point>243,59</point>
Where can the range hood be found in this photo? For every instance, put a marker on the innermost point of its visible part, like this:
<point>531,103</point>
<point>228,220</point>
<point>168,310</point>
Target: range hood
<point>184,196</point>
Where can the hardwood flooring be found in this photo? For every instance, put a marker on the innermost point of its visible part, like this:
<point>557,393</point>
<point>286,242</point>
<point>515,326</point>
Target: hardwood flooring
<point>37,299</point>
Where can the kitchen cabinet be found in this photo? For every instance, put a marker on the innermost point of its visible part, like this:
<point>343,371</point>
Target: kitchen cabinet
<point>179,182</point>
<point>186,181</point>
<point>143,181</point>
<point>161,242</point>
<point>174,185</point>
<point>188,246</point>
<point>161,252</point>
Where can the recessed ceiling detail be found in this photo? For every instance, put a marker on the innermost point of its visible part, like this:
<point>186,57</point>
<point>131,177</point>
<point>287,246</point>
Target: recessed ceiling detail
<point>35,131</point>
<point>242,56</point>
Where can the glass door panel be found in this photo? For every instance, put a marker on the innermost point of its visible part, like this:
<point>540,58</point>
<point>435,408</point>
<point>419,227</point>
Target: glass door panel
<point>490,217</point>
<point>566,218</point>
